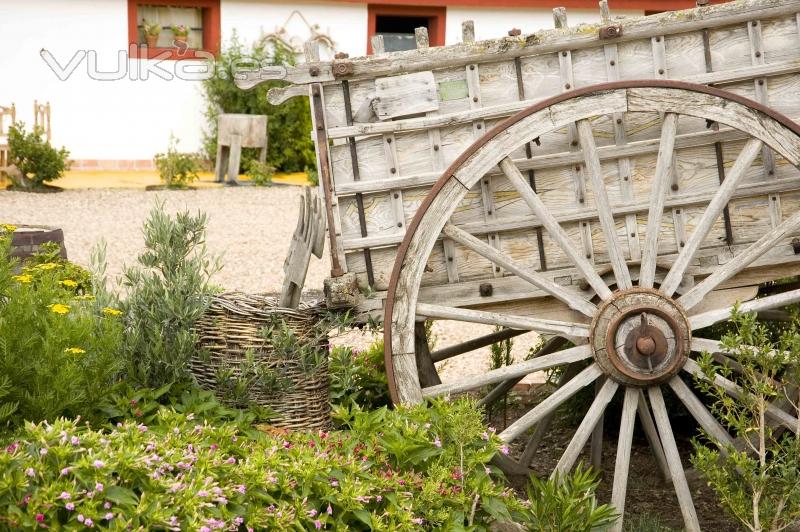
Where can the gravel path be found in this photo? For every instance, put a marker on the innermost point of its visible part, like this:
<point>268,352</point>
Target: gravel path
<point>250,227</point>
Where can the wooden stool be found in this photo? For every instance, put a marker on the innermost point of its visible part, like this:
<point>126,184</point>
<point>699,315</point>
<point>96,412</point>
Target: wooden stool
<point>234,132</point>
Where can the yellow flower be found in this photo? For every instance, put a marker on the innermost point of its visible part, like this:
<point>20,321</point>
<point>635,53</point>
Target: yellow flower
<point>69,283</point>
<point>59,308</point>
<point>74,350</point>
<point>24,278</point>
<point>47,266</point>
<point>8,227</point>
<point>108,311</point>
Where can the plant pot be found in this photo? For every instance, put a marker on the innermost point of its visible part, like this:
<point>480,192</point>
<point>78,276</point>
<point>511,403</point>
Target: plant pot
<point>152,40</point>
<point>180,38</point>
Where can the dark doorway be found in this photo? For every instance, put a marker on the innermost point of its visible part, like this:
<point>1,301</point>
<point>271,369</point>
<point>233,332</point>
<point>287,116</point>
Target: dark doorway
<point>398,31</point>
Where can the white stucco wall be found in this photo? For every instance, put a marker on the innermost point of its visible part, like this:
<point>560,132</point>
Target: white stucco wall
<point>132,119</point>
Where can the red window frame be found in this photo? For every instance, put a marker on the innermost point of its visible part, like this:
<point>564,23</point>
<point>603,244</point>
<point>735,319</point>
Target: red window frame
<point>211,30</point>
<point>436,20</point>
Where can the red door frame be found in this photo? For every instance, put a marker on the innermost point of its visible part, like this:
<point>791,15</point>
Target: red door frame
<point>436,16</point>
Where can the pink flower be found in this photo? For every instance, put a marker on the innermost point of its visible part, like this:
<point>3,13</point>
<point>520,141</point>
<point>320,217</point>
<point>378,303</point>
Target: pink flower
<point>205,529</point>
<point>485,436</point>
<point>487,470</point>
<point>99,486</point>
<point>334,483</point>
<point>202,493</point>
<point>13,447</point>
<point>230,460</point>
<point>238,521</point>
<point>504,449</point>
<point>107,505</point>
<point>241,489</point>
<point>88,523</point>
<point>99,463</point>
<point>417,520</point>
<point>70,506</point>
<point>81,518</point>
<point>318,524</point>
<point>437,442</point>
<point>75,440</point>
<point>214,447</point>
<point>66,471</point>
<point>109,516</point>
<point>378,498</point>
<point>287,445</point>
<point>312,513</point>
<point>40,518</point>
<point>30,472</point>
<point>42,451</point>
<point>65,496</point>
<point>330,510</point>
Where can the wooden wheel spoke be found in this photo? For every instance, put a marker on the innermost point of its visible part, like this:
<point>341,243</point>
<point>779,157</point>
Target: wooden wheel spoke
<point>595,170</point>
<point>700,412</point>
<point>554,228</point>
<point>663,176</point>
<point>673,460</point>
<point>743,162</point>
<point>581,380</point>
<point>570,329</point>
<point>560,358</point>
<point>585,429</point>
<point>623,460</point>
<point>651,433</point>
<point>711,317</point>
<point>734,390</point>
<point>741,261</point>
<point>535,278</point>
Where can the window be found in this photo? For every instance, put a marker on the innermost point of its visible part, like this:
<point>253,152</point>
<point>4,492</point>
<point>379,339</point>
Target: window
<point>200,17</point>
<point>397,25</point>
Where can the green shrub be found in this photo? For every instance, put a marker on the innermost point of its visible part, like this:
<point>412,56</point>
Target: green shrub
<point>59,350</point>
<point>409,469</point>
<point>313,175</point>
<point>358,377</point>
<point>759,484</point>
<point>261,174</point>
<point>37,160</point>
<point>290,147</point>
<point>567,503</point>
<point>165,294</point>
<point>176,169</point>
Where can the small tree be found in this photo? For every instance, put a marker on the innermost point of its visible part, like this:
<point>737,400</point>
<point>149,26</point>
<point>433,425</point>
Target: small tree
<point>36,159</point>
<point>758,480</point>
<point>176,169</point>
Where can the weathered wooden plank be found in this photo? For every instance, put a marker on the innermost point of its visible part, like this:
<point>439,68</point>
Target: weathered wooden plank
<point>674,460</point>
<point>542,42</point>
<point>700,412</point>
<point>623,459</point>
<point>545,362</point>
<point>405,95</point>
<point>574,330</point>
<point>553,401</point>
<point>590,420</point>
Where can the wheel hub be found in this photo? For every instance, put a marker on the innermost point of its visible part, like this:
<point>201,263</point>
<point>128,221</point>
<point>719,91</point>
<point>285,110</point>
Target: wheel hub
<point>640,337</point>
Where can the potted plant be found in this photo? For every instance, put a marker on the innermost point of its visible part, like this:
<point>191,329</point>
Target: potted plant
<point>151,32</point>
<point>181,32</point>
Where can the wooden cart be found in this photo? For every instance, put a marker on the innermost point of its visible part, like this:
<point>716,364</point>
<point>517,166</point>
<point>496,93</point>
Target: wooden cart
<point>618,186</point>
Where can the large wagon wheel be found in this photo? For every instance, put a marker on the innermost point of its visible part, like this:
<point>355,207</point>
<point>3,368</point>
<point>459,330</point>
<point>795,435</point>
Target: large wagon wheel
<point>635,327</point>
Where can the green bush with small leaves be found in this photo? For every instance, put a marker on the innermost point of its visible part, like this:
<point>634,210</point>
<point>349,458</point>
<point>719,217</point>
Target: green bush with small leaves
<point>261,174</point>
<point>177,170</point>
<point>37,160</point>
<point>358,377</point>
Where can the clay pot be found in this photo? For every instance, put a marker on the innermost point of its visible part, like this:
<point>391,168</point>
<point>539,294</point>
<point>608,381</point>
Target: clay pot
<point>152,40</point>
<point>180,38</point>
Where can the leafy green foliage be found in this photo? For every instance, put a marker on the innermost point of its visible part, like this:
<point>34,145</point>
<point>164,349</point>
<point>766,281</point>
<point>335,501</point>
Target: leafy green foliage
<point>166,292</point>
<point>567,503</point>
<point>645,523</point>
<point>59,349</point>
<point>358,378</point>
<point>35,157</point>
<point>760,484</point>
<point>261,174</point>
<point>182,472</point>
<point>176,169</point>
<point>313,175</point>
<point>290,147</point>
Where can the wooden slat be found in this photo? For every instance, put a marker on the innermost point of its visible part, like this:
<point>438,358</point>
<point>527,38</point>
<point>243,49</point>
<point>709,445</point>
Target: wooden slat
<point>595,171</point>
<point>711,214</point>
<point>623,460</point>
<point>741,261</point>
<point>674,460</point>
<point>533,277</point>
<point>553,228</point>
<point>658,191</point>
<point>576,330</point>
<point>553,401</point>
<point>651,434</point>
<point>783,299</point>
<point>698,410</point>
<point>590,420</point>
<point>568,356</point>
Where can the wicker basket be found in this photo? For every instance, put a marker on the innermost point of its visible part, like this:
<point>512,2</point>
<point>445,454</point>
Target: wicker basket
<point>232,326</point>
